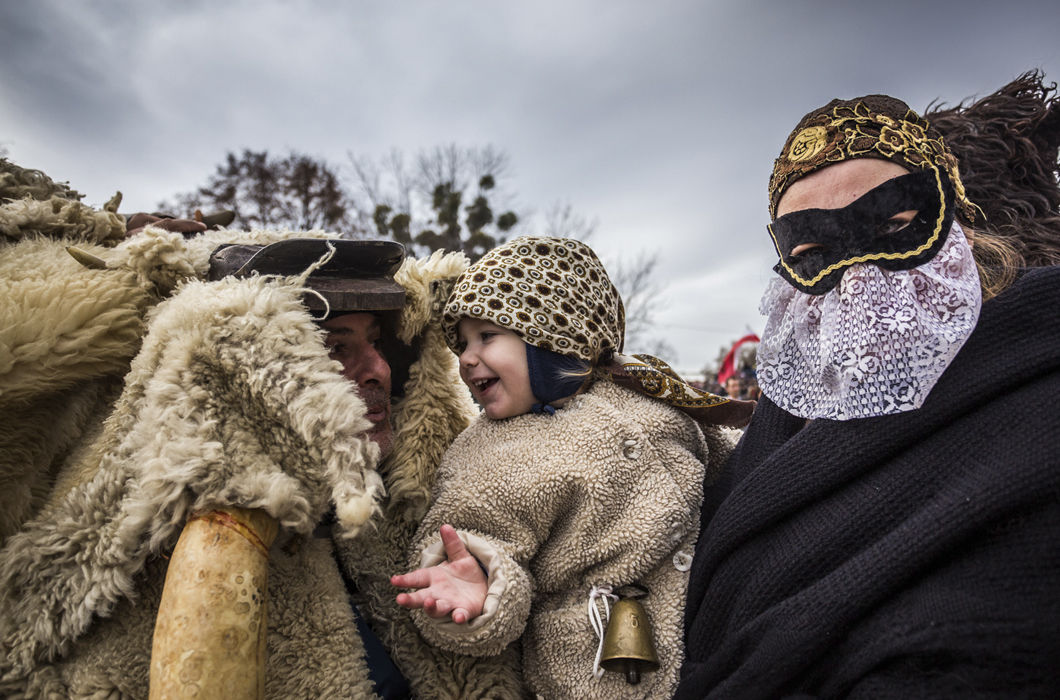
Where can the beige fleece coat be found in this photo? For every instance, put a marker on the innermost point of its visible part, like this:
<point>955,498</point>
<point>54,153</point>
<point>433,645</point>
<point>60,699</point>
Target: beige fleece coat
<point>604,493</point>
<point>122,414</point>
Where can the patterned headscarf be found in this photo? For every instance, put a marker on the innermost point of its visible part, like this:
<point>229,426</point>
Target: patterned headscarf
<point>874,126</point>
<point>555,294</point>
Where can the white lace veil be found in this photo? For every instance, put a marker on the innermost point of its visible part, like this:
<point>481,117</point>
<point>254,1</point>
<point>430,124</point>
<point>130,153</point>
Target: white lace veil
<point>876,344</point>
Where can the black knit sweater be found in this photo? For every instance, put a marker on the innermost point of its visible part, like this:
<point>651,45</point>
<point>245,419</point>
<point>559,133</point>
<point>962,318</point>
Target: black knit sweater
<point>907,556</point>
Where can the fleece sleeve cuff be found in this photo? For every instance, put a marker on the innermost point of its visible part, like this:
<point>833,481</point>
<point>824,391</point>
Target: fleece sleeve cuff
<point>504,612</point>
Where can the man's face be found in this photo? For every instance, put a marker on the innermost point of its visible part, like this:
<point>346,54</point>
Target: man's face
<point>732,386</point>
<point>355,341</point>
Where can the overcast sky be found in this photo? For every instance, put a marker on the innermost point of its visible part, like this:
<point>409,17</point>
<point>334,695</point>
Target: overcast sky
<point>659,119</point>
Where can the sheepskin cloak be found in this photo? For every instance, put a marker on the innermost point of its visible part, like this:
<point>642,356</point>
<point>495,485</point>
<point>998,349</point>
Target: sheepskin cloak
<point>230,399</point>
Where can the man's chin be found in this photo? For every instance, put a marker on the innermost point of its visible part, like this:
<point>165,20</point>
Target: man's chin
<point>383,436</point>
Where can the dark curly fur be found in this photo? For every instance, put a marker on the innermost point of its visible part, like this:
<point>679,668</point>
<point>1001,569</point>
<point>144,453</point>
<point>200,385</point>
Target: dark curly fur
<point>17,182</point>
<point>1007,144</point>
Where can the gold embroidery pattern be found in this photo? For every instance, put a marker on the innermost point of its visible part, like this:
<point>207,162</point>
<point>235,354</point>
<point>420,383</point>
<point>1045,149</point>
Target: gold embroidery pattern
<point>658,380</point>
<point>808,143</point>
<point>858,132</point>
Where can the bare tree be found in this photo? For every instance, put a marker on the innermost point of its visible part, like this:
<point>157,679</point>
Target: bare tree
<point>636,280</point>
<point>461,167</point>
<point>444,201</point>
<point>381,190</point>
<point>296,192</point>
<point>561,221</point>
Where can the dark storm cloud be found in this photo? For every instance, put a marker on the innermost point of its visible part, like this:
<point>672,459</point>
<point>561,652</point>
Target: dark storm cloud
<point>64,68</point>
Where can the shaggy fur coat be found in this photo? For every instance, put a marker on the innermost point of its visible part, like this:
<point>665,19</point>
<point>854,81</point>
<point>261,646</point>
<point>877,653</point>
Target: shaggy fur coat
<point>606,492</point>
<point>133,393</point>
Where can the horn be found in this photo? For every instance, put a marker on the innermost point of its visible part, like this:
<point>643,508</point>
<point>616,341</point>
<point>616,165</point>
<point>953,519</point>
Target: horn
<point>628,646</point>
<point>216,219</point>
<point>210,632</point>
<point>87,259</point>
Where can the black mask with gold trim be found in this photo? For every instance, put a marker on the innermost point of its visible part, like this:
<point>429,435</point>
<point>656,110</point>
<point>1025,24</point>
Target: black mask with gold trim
<point>864,231</point>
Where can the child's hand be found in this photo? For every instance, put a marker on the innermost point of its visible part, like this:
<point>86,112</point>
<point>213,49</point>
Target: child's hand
<point>456,586</point>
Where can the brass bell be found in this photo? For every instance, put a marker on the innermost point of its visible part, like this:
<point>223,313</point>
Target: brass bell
<point>628,646</point>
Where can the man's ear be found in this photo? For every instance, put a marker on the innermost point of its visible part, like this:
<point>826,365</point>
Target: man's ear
<point>398,355</point>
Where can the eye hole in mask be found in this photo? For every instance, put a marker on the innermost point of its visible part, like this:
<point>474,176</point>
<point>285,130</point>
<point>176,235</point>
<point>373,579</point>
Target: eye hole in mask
<point>898,225</point>
<point>893,225</point>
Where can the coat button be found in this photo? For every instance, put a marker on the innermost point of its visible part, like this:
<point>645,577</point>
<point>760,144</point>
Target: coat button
<point>631,449</point>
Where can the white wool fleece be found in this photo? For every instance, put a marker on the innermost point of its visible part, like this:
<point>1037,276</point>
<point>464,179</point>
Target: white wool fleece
<point>231,401</point>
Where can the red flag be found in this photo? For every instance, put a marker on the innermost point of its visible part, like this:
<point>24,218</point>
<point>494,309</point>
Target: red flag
<point>727,369</point>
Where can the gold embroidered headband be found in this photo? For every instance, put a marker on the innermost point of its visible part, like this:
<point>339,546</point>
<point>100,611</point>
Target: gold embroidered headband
<point>874,126</point>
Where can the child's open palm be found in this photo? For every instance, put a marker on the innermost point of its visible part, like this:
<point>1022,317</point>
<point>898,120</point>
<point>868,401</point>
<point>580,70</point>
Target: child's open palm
<point>455,587</point>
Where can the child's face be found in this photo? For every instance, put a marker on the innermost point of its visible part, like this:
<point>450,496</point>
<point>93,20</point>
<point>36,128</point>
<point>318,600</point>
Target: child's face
<point>493,365</point>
